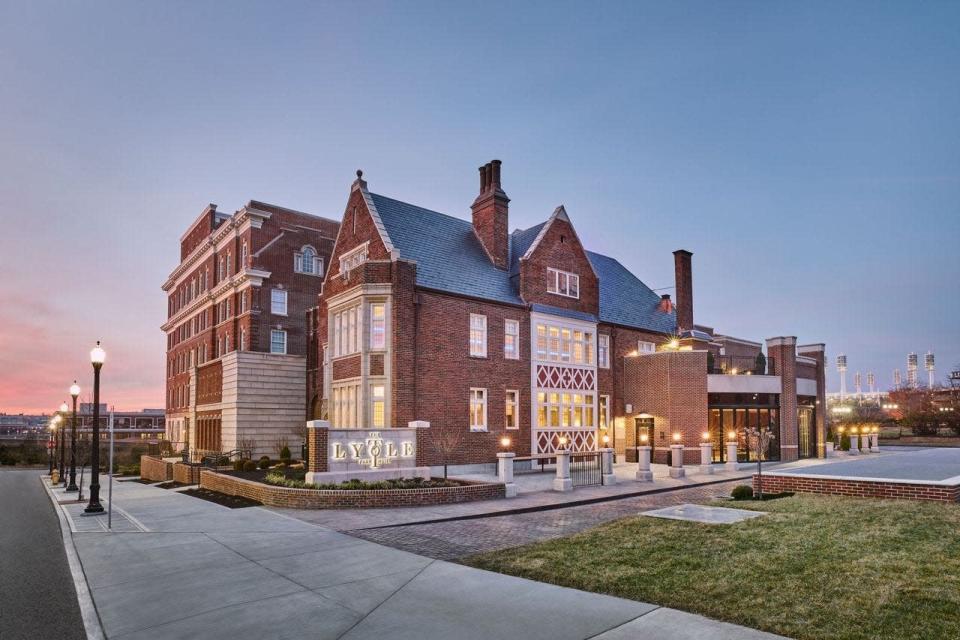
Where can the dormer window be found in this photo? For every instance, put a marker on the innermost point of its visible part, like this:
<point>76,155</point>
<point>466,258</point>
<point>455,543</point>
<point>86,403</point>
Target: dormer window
<point>307,261</point>
<point>563,283</point>
<point>353,258</point>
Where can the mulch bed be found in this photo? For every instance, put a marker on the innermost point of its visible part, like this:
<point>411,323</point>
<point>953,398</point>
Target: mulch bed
<point>233,502</point>
<point>140,480</point>
<point>173,484</point>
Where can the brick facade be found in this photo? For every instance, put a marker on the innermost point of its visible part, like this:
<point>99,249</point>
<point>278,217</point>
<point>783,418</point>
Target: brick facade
<point>155,469</point>
<point>334,499</point>
<point>858,488</point>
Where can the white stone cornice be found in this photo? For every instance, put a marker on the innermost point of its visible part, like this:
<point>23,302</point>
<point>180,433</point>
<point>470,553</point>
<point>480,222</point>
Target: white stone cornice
<point>241,280</point>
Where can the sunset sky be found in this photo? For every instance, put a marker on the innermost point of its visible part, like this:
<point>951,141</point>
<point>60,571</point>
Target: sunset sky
<point>808,154</point>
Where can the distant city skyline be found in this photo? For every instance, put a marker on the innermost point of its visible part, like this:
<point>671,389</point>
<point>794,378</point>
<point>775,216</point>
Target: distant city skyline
<point>807,154</point>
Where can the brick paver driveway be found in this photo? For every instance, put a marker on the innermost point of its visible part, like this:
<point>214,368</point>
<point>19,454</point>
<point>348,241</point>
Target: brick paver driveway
<point>459,538</point>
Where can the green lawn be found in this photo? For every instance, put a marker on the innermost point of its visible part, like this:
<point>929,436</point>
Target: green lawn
<point>814,567</point>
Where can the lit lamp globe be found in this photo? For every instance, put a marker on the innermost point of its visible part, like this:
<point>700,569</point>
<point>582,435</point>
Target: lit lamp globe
<point>606,439</point>
<point>677,436</point>
<point>644,438</point>
<point>74,389</point>
<point>706,436</point>
<point>731,435</point>
<point>97,355</point>
<point>504,442</point>
<point>63,407</point>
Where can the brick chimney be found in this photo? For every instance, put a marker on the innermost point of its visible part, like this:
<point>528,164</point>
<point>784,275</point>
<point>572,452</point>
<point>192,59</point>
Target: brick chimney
<point>684,289</point>
<point>490,220</point>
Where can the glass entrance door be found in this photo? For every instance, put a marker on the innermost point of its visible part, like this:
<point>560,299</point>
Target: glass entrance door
<point>806,425</point>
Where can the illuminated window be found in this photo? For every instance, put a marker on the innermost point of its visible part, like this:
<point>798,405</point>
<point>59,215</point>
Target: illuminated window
<point>603,351</point>
<point>511,340</point>
<point>564,409</point>
<point>512,408</point>
<point>377,406</point>
<point>478,335</point>
<point>478,409</point>
<point>345,412</point>
<point>378,325</point>
<point>604,412</point>
<point>563,283</point>
<point>562,344</point>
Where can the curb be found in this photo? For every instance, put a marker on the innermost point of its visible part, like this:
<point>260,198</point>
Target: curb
<point>88,610</point>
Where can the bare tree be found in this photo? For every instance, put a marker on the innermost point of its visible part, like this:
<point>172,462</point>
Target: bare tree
<point>445,442</point>
<point>760,441</point>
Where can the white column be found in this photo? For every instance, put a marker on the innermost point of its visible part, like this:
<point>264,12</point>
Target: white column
<point>865,442</point>
<point>706,458</point>
<point>643,464</point>
<point>828,449</point>
<point>875,442</point>
<point>563,482</point>
<point>606,466</point>
<point>676,461</point>
<point>854,445</point>
<point>505,472</point>
<point>731,464</point>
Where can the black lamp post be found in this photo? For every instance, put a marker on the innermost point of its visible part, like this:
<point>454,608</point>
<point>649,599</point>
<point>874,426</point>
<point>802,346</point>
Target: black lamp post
<point>74,392</point>
<point>97,356</point>
<point>52,446</point>
<point>61,424</point>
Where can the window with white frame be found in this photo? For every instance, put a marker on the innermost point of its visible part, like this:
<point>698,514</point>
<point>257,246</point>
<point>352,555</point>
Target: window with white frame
<point>243,339</point>
<point>307,261</point>
<point>345,326</point>
<point>564,409</point>
<point>378,406</point>
<point>378,325</point>
<point>511,339</point>
<point>243,302</point>
<point>563,344</point>
<point>353,258</point>
<point>478,335</point>
<point>604,411</point>
<point>222,271</point>
<point>603,350</point>
<point>478,409</point>
<point>278,302</point>
<point>243,254</point>
<point>345,409</point>
<point>278,341</point>
<point>563,283</point>
<point>511,409</point>
<point>643,346</point>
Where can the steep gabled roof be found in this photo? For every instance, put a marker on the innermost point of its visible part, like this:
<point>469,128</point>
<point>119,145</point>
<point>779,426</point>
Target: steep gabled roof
<point>448,253</point>
<point>450,258</point>
<point>625,300</point>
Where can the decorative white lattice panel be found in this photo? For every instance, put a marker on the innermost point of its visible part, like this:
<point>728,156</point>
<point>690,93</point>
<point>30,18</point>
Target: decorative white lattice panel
<point>548,441</point>
<point>556,377</point>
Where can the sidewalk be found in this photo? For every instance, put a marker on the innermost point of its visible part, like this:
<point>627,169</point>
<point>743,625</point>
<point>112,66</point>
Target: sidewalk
<point>187,568</point>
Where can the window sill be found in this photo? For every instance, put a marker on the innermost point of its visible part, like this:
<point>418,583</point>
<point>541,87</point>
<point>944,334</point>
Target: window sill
<point>478,357</point>
<point>478,430</point>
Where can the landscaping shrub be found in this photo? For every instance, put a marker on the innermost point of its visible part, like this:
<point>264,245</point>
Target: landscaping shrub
<point>238,465</point>
<point>264,462</point>
<point>285,455</point>
<point>845,442</point>
<point>742,492</point>
<point>249,465</point>
<point>280,480</point>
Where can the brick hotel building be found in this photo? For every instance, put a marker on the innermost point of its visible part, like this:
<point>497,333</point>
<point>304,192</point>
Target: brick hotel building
<point>236,334</point>
<point>484,332</point>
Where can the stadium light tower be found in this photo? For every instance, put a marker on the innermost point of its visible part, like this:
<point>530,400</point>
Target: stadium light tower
<point>928,365</point>
<point>897,380</point>
<point>842,369</point>
<point>912,370</point>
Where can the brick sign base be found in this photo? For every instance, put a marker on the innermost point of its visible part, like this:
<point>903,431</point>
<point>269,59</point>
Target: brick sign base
<point>858,488</point>
<point>342,499</point>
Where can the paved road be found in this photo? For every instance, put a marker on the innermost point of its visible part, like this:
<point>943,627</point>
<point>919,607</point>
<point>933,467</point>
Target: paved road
<point>459,538</point>
<point>37,597</point>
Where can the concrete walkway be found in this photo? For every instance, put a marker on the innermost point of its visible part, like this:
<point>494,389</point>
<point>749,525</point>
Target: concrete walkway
<point>191,568</point>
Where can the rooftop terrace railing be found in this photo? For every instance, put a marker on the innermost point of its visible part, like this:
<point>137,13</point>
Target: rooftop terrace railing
<point>742,365</point>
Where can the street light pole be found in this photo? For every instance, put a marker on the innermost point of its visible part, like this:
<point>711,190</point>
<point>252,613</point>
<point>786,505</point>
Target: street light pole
<point>74,392</point>
<point>60,428</point>
<point>97,356</point>
<point>52,446</point>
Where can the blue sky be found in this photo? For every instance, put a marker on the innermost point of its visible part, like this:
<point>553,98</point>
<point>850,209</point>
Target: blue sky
<point>807,153</point>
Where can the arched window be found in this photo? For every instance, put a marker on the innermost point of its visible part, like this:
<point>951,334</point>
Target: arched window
<point>307,261</point>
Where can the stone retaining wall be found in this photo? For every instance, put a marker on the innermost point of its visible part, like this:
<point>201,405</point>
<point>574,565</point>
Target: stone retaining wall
<point>858,488</point>
<point>186,473</point>
<point>346,499</point>
<point>155,469</point>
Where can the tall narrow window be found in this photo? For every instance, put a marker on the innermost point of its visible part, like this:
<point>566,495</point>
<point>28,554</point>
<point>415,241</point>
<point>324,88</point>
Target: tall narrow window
<point>511,339</point>
<point>278,341</point>
<point>278,302</point>
<point>243,302</point>
<point>243,339</point>
<point>603,351</point>
<point>478,409</point>
<point>243,254</point>
<point>478,335</point>
<point>511,409</point>
<point>604,412</point>
<point>377,406</point>
<point>378,325</point>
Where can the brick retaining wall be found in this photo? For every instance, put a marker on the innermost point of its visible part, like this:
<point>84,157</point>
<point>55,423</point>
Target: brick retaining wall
<point>858,488</point>
<point>186,473</point>
<point>155,469</point>
<point>334,499</point>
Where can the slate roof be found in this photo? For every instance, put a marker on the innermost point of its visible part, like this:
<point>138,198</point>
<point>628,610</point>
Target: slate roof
<point>450,258</point>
